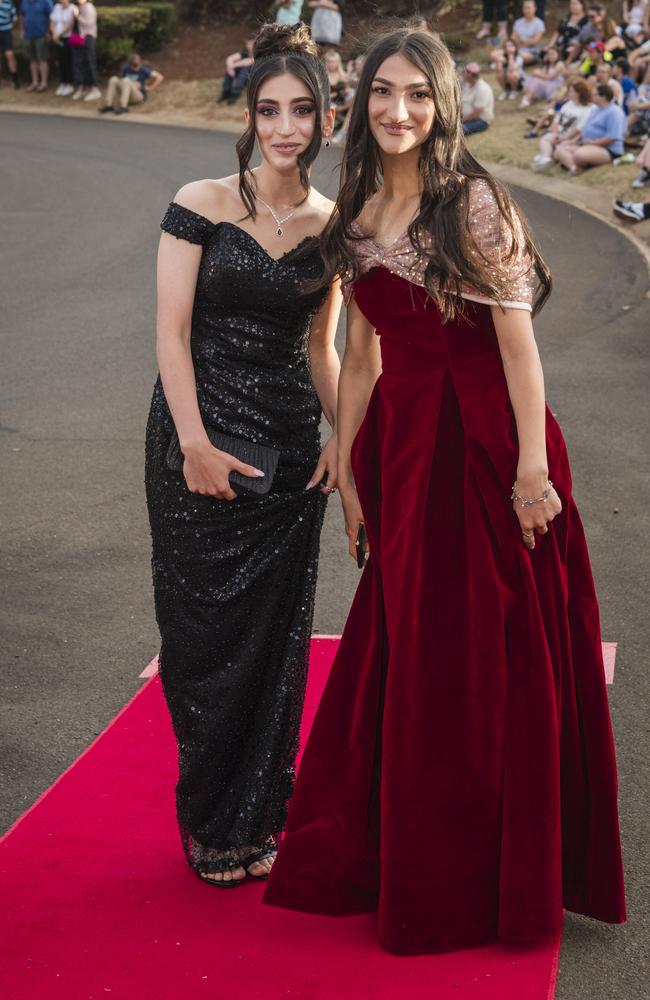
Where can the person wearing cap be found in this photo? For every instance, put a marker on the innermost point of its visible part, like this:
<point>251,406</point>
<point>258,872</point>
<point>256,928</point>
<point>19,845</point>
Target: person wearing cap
<point>477,100</point>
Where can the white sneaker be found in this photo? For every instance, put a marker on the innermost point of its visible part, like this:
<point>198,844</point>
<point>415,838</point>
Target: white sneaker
<point>541,163</point>
<point>68,90</point>
<point>59,90</point>
<point>502,96</point>
<point>512,95</point>
<point>93,94</point>
<point>78,94</point>
<point>629,209</point>
<point>641,179</point>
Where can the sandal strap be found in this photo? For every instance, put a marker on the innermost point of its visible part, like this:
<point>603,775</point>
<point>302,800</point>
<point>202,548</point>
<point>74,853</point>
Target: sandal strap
<point>256,855</point>
<point>226,862</point>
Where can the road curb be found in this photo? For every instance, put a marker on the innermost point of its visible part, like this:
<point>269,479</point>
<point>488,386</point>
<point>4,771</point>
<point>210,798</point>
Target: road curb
<point>584,199</point>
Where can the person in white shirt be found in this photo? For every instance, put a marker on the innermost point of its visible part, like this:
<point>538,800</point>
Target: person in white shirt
<point>566,125</point>
<point>477,100</point>
<point>528,32</point>
<point>62,21</point>
<point>287,11</point>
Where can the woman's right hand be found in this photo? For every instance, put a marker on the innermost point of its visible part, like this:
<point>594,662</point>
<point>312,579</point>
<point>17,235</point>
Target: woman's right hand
<point>206,471</point>
<point>353,516</point>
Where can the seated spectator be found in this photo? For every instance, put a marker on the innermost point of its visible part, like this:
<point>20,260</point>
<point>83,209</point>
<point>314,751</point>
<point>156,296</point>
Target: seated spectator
<point>287,11</point>
<point>238,69</point>
<point>509,69</point>
<point>542,84</point>
<point>566,125</point>
<point>638,122</point>
<point>569,28</point>
<point>643,162</point>
<point>528,32</point>
<point>621,73</point>
<point>592,31</point>
<point>353,70</point>
<point>640,57</point>
<point>34,28</point>
<point>636,21</point>
<point>341,93</point>
<point>635,211</point>
<point>327,22</point>
<point>131,87</point>
<point>605,74</point>
<point>7,18</point>
<point>494,9</point>
<point>477,100</point>
<point>602,135</point>
<point>62,24</point>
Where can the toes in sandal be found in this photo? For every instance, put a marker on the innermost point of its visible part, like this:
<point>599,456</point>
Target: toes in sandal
<point>219,882</point>
<point>254,856</point>
<point>219,862</point>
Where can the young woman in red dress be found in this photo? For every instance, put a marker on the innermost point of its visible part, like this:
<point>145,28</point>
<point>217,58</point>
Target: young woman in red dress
<point>460,775</point>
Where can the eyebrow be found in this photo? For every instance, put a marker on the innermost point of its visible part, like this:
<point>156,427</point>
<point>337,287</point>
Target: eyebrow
<point>421,84</point>
<point>296,100</point>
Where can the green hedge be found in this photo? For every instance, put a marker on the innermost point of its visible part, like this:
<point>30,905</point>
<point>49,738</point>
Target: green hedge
<point>140,26</point>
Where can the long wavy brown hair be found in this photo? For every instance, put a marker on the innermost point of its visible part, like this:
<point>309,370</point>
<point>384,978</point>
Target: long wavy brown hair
<point>446,168</point>
<point>280,49</point>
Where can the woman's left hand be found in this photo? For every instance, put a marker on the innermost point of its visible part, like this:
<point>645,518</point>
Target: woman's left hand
<point>327,464</point>
<point>539,515</point>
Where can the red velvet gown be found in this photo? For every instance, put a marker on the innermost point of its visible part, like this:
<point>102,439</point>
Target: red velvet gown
<point>460,776</point>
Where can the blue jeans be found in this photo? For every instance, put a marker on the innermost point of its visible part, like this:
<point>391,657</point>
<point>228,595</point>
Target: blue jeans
<point>233,85</point>
<point>475,125</point>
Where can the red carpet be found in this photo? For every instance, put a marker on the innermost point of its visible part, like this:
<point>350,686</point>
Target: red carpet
<point>97,901</point>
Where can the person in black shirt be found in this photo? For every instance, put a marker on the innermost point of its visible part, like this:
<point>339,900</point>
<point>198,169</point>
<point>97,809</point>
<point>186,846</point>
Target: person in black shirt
<point>569,28</point>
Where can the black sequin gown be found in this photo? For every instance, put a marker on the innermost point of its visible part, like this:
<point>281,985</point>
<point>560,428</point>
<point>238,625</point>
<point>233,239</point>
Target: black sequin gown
<point>234,582</point>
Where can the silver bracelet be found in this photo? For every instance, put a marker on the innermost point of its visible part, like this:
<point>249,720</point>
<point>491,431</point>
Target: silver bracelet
<point>529,501</point>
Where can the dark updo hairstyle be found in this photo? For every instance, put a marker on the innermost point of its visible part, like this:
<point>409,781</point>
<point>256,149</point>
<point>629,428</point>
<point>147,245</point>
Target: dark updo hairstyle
<point>446,168</point>
<point>278,49</point>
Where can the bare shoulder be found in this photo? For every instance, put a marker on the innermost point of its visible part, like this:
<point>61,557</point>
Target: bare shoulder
<point>210,198</point>
<point>321,206</point>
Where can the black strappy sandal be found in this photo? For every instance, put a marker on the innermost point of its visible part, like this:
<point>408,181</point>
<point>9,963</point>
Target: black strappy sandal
<point>228,862</point>
<point>254,856</point>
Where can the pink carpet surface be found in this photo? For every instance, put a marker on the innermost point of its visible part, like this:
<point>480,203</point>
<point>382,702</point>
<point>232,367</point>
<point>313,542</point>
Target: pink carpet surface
<point>97,900</point>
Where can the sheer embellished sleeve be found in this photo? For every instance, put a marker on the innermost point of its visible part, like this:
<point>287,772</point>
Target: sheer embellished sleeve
<point>347,288</point>
<point>185,224</point>
<point>494,239</point>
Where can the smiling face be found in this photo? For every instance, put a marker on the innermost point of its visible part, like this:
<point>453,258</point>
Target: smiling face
<point>401,111</point>
<point>285,120</point>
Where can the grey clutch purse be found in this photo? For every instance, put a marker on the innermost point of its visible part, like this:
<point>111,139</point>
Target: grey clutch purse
<point>258,455</point>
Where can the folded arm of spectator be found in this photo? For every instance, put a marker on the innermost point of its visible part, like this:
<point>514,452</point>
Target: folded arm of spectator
<point>154,80</point>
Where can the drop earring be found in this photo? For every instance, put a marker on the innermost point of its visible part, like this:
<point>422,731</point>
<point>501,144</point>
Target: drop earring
<point>326,142</point>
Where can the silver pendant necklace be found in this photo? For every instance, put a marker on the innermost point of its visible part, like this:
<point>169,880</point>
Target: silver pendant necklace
<point>278,221</point>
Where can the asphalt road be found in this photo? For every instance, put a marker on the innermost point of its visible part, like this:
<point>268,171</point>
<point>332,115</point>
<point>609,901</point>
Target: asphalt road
<point>80,203</point>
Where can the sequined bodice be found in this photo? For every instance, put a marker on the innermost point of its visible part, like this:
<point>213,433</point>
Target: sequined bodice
<point>493,239</point>
<point>250,327</point>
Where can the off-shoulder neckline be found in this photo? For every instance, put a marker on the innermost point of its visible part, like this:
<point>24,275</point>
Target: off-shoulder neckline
<point>233,225</point>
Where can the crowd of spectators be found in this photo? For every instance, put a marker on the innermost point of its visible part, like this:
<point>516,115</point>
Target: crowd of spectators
<point>67,31</point>
<point>585,82</point>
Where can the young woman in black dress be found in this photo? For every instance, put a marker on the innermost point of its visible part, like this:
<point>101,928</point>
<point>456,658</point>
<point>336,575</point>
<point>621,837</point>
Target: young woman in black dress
<point>245,351</point>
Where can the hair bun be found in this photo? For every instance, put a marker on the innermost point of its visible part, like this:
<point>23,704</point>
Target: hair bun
<point>284,40</point>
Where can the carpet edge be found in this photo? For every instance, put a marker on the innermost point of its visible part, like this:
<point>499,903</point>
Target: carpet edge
<point>50,788</point>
